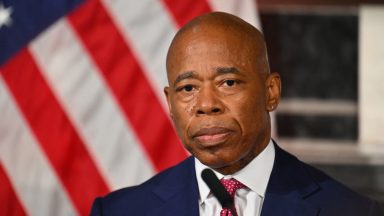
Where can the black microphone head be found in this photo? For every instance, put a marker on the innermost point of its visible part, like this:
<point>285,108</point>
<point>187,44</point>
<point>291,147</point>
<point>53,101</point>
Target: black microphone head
<point>217,188</point>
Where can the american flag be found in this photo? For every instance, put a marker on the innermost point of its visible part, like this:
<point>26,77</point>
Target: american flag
<point>82,110</point>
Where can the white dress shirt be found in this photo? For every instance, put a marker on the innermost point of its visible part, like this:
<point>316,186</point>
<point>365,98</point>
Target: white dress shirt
<point>248,201</point>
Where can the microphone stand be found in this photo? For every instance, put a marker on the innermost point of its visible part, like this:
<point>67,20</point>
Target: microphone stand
<point>219,191</point>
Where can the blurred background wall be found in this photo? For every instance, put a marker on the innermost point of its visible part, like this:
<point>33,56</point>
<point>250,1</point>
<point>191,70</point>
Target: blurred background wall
<point>330,59</point>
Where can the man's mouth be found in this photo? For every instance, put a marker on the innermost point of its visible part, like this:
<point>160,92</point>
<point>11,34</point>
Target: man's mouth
<point>212,136</point>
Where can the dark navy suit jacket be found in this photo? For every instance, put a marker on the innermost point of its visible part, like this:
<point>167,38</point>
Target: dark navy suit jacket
<point>294,189</point>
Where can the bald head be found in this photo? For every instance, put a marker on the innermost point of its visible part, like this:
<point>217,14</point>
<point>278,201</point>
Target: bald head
<point>220,90</point>
<point>220,25</point>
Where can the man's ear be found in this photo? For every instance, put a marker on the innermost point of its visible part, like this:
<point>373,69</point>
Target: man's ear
<point>167,96</point>
<point>273,90</point>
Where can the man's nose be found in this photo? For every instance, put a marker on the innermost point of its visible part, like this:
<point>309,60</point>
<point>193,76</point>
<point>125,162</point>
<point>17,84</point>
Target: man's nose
<point>208,102</point>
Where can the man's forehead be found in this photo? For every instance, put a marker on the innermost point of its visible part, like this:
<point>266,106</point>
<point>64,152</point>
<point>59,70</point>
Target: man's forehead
<point>237,37</point>
<point>213,39</point>
<point>231,31</point>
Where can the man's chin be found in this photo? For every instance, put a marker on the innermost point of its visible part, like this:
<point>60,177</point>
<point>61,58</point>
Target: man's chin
<point>214,162</point>
<point>223,163</point>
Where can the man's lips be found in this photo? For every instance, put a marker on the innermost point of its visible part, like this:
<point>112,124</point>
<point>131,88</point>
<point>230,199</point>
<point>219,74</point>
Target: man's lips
<point>211,136</point>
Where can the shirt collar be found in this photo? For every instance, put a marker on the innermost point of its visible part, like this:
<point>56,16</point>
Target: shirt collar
<point>255,175</point>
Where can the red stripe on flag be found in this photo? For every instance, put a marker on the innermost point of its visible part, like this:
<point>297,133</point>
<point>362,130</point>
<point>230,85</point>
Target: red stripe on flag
<point>54,131</point>
<point>185,10</point>
<point>9,202</point>
<point>128,83</point>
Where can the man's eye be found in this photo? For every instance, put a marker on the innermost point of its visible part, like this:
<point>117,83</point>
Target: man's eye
<point>186,88</point>
<point>230,82</point>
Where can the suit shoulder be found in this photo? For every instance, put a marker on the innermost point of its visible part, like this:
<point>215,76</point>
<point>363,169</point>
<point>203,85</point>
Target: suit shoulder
<point>305,174</point>
<point>327,182</point>
<point>136,199</point>
<point>335,196</point>
<point>322,191</point>
<point>134,192</point>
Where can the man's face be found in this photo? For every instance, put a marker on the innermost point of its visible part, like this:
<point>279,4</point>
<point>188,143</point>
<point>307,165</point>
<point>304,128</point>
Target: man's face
<point>217,98</point>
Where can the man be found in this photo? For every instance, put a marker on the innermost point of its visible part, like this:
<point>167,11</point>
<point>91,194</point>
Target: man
<point>220,94</point>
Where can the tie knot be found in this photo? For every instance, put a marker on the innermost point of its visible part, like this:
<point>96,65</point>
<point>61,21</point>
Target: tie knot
<point>231,185</point>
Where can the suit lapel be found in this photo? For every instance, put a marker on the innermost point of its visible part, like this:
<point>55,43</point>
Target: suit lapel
<point>288,187</point>
<point>178,192</point>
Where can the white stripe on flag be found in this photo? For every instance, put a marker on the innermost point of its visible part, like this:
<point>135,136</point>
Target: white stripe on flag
<point>34,180</point>
<point>245,9</point>
<point>148,29</point>
<point>90,105</point>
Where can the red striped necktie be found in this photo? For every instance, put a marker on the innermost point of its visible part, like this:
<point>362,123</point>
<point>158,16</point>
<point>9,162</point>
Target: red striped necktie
<point>231,185</point>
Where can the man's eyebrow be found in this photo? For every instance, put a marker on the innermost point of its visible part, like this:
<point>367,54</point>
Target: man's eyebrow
<point>227,70</point>
<point>183,76</point>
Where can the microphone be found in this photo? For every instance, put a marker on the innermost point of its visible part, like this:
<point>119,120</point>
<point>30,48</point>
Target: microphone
<point>218,190</point>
